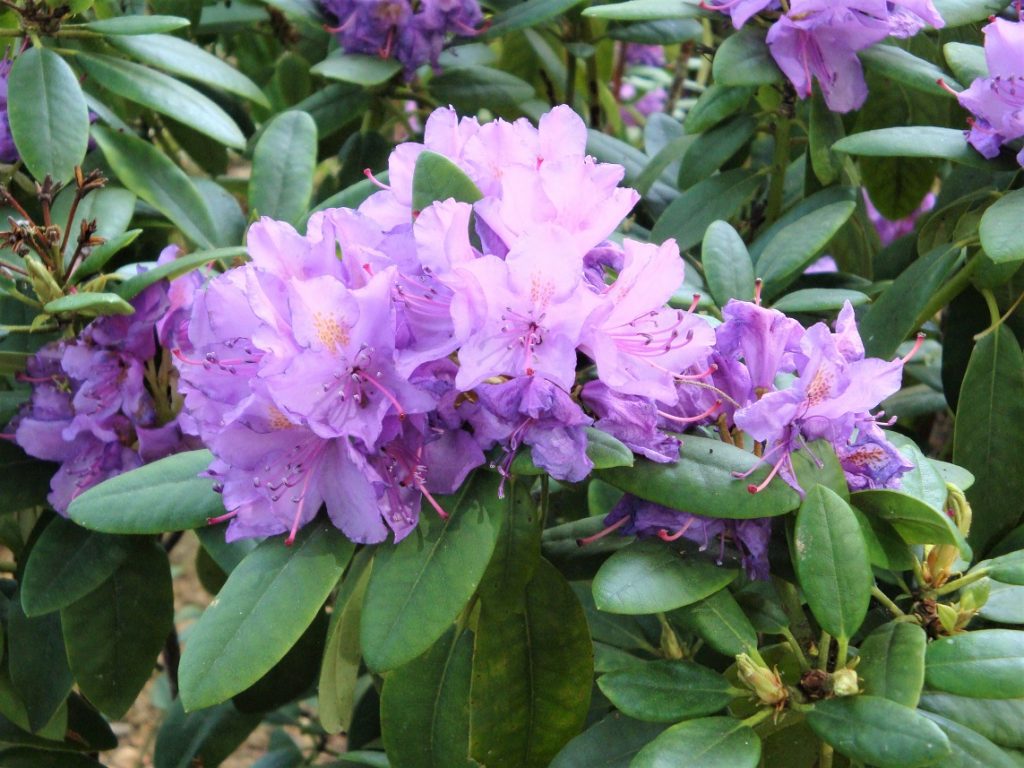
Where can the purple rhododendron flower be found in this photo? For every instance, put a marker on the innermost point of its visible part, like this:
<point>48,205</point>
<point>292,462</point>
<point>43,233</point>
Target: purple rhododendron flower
<point>997,101</point>
<point>8,152</point>
<point>891,230</point>
<point>740,10</point>
<point>631,419</point>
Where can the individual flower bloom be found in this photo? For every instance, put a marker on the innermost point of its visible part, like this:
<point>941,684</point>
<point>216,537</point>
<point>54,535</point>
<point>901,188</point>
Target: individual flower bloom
<point>820,39</point>
<point>868,459</point>
<point>108,382</point>
<point>172,327</point>
<point>369,26</point>
<point>997,101</point>
<point>632,420</point>
<point>636,517</point>
<point>908,17</point>
<point>538,413</point>
<point>525,314</point>
<point>740,10</point>
<point>8,152</point>
<point>639,344</point>
<point>765,339</point>
<point>712,389</point>
<point>890,230</point>
<point>644,55</point>
<point>89,462</point>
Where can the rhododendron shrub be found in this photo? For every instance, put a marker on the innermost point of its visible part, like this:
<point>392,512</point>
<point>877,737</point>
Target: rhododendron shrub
<point>624,384</point>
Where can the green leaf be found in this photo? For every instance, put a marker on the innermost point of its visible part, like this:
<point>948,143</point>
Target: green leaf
<point>437,178</point>
<point>532,673</point>
<point>1005,604</point>
<point>956,13</point>
<point>649,576</point>
<point>610,743</point>
<point>132,287</point>
<point>267,603</point>
<point>728,268</point>
<point>424,708</point>
<point>985,664</point>
<point>49,119</point>
<point>897,312</point>
<point>667,691</point>
<point>916,141</point>
<point>720,622</point>
<point>953,474</point>
<point>283,164</point>
<point>201,738</point>
<point>824,128</point>
<point>38,663</point>
<point>967,61</point>
<point>987,437</point>
<point>66,563</point>
<point>709,151</point>
<point>26,757</point>
<point>743,58</point>
<point>914,520</point>
<point>892,662</point>
<point>1008,569</point>
<point>343,654</point>
<point>167,495</point>
<point>795,246</point>
<point>1000,229</point>
<point>114,633</point>
<point>714,105</point>
<point>419,586</point>
<point>111,208</point>
<point>517,550</point>
<point>901,66</point>
<point>531,13</point>
<point>878,731</point>
<point>645,10</point>
<point>470,90</point>
<point>136,25</point>
<point>165,95</point>
<point>626,632</point>
<point>101,254</point>
<point>819,300</point>
<point>181,57</point>
<point>90,305</point>
<point>152,176</point>
<point>712,742</point>
<point>999,720</point>
<point>831,559</point>
<point>971,749</point>
<point>690,214</point>
<point>357,68</point>
<point>702,482</point>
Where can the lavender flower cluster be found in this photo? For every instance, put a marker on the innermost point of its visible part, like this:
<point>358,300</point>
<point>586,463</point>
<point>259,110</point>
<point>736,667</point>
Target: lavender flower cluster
<point>413,32</point>
<point>819,39</point>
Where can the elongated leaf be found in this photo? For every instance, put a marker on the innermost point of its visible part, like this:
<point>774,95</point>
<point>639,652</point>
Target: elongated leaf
<point>532,673</point>
<point>114,633</point>
<point>47,112</point>
<point>260,613</point>
<point>649,576</point>
<point>727,265</point>
<point>702,482</point>
<point>181,57</point>
<point>879,732</point>
<point>38,663</point>
<point>517,550</point>
<point>165,95</point>
<point>201,738</point>
<point>425,706</point>
<point>438,178</point>
<point>706,153</point>
<point>645,10</point>
<point>132,287</point>
<point>904,67</point>
<point>667,691</point>
<point>90,305</point>
<point>152,176</point>
<point>282,167</point>
<point>985,664</point>
<point>470,90</point>
<point>719,197</point>
<point>999,720</point>
<point>68,562</point>
<point>917,141</point>
<point>714,105</point>
<point>988,433</point>
<point>720,622</point>
<point>26,757</point>
<point>743,58</point>
<point>420,586</point>
<point>101,254</point>
<point>111,208</point>
<point>796,246</point>
<point>959,12</point>
<point>1000,229</point>
<point>819,300</point>
<point>966,61</point>
<point>136,25</point>
<point>712,742</point>
<point>357,68</point>
<point>528,14</point>
<point>611,743</point>
<point>892,663</point>
<point>915,521</point>
<point>167,495</point>
<point>971,749</point>
<point>831,559</point>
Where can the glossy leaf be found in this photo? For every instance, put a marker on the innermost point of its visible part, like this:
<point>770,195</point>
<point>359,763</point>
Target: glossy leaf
<point>915,521</point>
<point>667,691</point>
<point>728,268</point>
<point>101,254</point>
<point>971,749</point>
<point>132,287</point>
<point>966,61</point>
<point>720,622</point>
<point>712,742</point>
<point>984,664</point>
<point>610,743</point>
<point>470,90</point>
<point>831,559</point>
<point>916,141</point>
<point>645,10</point>
<point>90,305</point>
<point>892,662</point>
<point>167,495</point>
<point>879,732</point>
<point>714,105</point>
<point>707,153</point>
<point>1000,229</point>
<point>650,576</point>
<point>999,720</point>
<point>48,116</point>
<point>206,737</point>
<point>959,12</point>
<point>343,653</point>
<point>267,603</point>
<point>357,68</point>
<point>283,163</point>
<point>38,663</point>
<point>419,586</point>
<point>114,633</point>
<point>136,25</point>
<point>901,66</point>
<point>527,14</point>
<point>743,58</point>
<point>719,197</point>
<point>435,178</point>
<point>819,300</point>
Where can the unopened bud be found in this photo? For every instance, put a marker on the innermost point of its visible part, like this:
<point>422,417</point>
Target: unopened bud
<point>765,683</point>
<point>974,596</point>
<point>948,617</point>
<point>43,284</point>
<point>671,647</point>
<point>845,683</point>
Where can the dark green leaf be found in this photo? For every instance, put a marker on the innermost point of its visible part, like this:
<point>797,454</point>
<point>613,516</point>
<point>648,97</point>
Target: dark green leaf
<point>1000,229</point>
<point>712,742</point>
<point>167,495</point>
<point>531,13</point>
<point>720,622</point>
<point>114,633</point>
<point>470,90</point>
<point>132,287</point>
<point>971,749</point>
<point>649,576</point>
<point>90,305</point>
<point>267,603</point>
<point>101,254</point>
<point>201,738</point>
<point>985,664</point>
<point>878,731</point>
<point>690,214</point>
<point>667,691</point>
<point>610,743</point>
<point>819,300</point>
<point>727,265</point>
<point>999,720</point>
<point>26,757</point>
<point>714,105</point>
<point>707,152</point>
<point>702,482</point>
<point>283,163</point>
<point>437,178</point>
<point>831,559</point>
<point>343,654</point>
<point>111,208</point>
<point>892,662</point>
<point>914,520</point>
<point>901,66</point>
<point>916,141</point>
<point>136,25</point>
<point>357,68</point>
<point>824,129</point>
<point>49,119</point>
<point>517,550</point>
<point>38,663</point>
<point>743,58</point>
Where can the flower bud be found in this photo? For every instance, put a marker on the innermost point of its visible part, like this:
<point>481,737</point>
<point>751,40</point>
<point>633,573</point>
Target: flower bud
<point>43,284</point>
<point>845,683</point>
<point>765,683</point>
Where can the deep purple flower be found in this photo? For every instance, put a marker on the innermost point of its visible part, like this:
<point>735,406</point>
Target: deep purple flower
<point>765,339</point>
<point>8,152</point>
<point>631,419</point>
<point>869,460</point>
